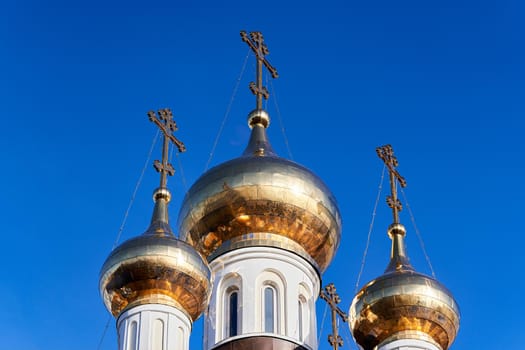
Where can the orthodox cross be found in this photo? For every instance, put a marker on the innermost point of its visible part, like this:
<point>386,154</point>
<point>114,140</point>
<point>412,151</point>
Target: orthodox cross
<point>167,125</point>
<point>329,295</point>
<point>386,153</point>
<point>256,42</point>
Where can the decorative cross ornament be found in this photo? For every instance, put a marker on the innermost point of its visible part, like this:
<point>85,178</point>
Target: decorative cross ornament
<point>256,42</point>
<point>329,295</point>
<point>386,153</point>
<point>167,125</point>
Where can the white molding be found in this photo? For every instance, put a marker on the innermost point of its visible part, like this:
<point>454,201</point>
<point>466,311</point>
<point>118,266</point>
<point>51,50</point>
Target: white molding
<point>153,327</point>
<point>229,282</point>
<point>408,344</point>
<point>273,279</point>
<point>250,269</point>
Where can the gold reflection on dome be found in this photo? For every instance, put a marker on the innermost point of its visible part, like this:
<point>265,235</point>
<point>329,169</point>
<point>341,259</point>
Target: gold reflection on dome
<point>243,218</point>
<point>152,269</point>
<point>404,301</point>
<point>261,194</point>
<point>156,267</point>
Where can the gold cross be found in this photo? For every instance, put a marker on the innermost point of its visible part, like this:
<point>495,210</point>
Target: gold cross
<point>167,125</point>
<point>256,42</point>
<point>329,295</point>
<point>386,153</point>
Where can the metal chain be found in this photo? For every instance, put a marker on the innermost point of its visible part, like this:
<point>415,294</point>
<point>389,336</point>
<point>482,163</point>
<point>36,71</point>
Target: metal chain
<point>181,170</point>
<point>267,83</point>
<point>370,228</point>
<point>182,175</point>
<point>171,153</point>
<point>234,93</point>
<point>123,224</point>
<point>281,124</point>
<point>348,336</point>
<point>104,333</point>
<point>420,238</point>
<point>322,324</point>
<point>135,190</point>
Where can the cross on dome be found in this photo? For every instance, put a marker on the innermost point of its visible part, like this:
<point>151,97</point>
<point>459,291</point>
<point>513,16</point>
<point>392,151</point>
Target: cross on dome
<point>167,125</point>
<point>256,42</point>
<point>329,294</point>
<point>386,153</point>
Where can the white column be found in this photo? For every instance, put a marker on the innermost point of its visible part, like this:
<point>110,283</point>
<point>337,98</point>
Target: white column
<point>249,270</point>
<point>153,327</point>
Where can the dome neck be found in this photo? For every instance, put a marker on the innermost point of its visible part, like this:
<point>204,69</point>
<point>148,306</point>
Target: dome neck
<point>259,145</point>
<point>399,261</point>
<point>160,219</point>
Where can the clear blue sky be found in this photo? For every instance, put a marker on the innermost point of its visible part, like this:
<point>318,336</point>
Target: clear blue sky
<point>443,81</point>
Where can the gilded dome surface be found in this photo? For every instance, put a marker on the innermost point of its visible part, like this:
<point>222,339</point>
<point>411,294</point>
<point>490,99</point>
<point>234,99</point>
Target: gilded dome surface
<point>261,199</point>
<point>152,269</point>
<point>156,268</point>
<point>403,301</point>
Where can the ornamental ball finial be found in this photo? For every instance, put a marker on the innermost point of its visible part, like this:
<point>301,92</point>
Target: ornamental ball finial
<point>162,193</point>
<point>258,116</point>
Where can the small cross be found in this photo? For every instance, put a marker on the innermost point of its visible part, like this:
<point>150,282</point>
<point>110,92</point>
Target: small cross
<point>329,295</point>
<point>386,153</point>
<point>256,42</point>
<point>167,125</point>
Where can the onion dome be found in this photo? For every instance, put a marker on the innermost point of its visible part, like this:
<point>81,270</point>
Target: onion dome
<point>260,199</point>
<point>403,303</point>
<point>156,268</point>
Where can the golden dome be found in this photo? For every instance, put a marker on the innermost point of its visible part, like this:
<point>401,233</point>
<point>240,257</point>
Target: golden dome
<point>261,199</point>
<point>156,268</point>
<point>403,303</point>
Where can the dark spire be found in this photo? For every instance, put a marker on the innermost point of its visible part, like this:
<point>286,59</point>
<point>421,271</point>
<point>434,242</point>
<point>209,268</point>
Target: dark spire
<point>398,258</point>
<point>160,219</point>
<point>259,120</point>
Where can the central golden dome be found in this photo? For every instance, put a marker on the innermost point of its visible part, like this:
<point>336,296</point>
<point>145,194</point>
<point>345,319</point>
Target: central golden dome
<point>260,199</point>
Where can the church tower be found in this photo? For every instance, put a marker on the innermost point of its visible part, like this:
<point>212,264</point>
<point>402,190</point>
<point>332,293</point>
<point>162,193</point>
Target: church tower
<point>257,233</point>
<point>154,284</point>
<point>269,228</point>
<point>402,309</point>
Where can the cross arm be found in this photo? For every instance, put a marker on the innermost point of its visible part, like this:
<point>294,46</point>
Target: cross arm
<point>265,51</point>
<point>180,146</point>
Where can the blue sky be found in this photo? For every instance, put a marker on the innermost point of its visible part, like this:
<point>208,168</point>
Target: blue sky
<point>442,81</point>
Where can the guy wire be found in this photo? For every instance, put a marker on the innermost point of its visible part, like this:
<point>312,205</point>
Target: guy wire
<point>228,108</point>
<point>370,229</point>
<point>135,190</point>
<point>420,238</point>
<point>322,323</point>
<point>126,217</point>
<point>281,124</point>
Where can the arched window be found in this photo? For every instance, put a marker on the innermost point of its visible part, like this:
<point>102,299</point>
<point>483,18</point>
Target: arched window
<point>303,317</point>
<point>158,335</point>
<point>180,340</point>
<point>270,303</point>
<point>233,321</point>
<point>300,307</point>
<point>270,309</point>
<point>132,336</point>
<point>229,307</point>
